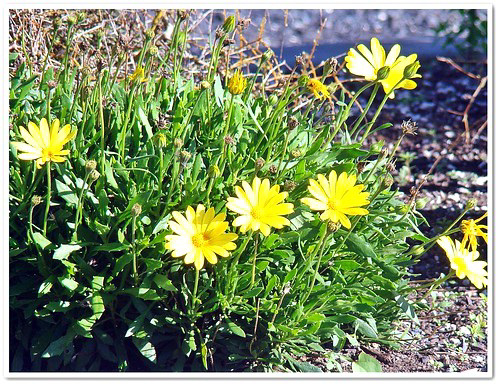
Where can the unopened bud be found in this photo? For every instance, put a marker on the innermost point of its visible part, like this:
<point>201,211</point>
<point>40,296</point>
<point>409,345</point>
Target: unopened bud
<point>303,80</point>
<point>259,163</point>
<point>150,33</point>
<point>229,24</point>
<point>273,99</point>
<point>403,209</point>
<point>376,147</point>
<point>266,56</point>
<point>160,139</point>
<point>332,87</point>
<point>333,226</point>
<point>383,73</point>
<point>411,70</point>
<point>36,200</point>
<point>183,14</point>
<point>56,22</point>
<point>72,20</point>
<point>90,165</point>
<point>136,210</point>
<point>81,16</point>
<point>471,203</point>
<point>417,250</point>
<point>213,171</point>
<point>420,203</point>
<point>292,123</point>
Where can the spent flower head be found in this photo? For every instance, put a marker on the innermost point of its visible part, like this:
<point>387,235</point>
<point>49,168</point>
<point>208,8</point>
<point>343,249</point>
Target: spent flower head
<point>464,262</point>
<point>200,235</point>
<point>319,90</point>
<point>90,165</point>
<point>472,231</point>
<point>260,207</point>
<point>138,75</point>
<point>36,200</point>
<point>42,144</point>
<point>337,197</point>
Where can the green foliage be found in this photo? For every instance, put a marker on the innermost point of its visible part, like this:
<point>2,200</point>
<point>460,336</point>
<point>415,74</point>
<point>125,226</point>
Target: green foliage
<point>98,291</point>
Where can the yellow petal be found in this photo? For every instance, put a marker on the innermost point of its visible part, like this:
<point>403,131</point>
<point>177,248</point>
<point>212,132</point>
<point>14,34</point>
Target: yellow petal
<point>44,131</point>
<point>378,53</point>
<point>36,135</point>
<point>29,139</point>
<point>54,131</point>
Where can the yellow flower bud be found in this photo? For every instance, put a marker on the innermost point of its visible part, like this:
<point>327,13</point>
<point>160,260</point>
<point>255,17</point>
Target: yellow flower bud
<point>237,83</point>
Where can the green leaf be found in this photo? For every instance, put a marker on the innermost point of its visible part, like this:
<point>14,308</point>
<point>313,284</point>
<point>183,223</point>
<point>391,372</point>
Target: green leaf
<point>121,262</point>
<point>163,282</point>
<point>57,347</point>
<point>146,348</point>
<point>152,264</point>
<point>63,251</point>
<point>347,264</point>
<point>290,276</point>
<point>161,225</point>
<point>68,283</point>
<point>366,363</point>
<point>66,192</point>
<point>41,241</point>
<point>367,329</point>
<point>46,286</point>
<point>315,317</point>
<point>235,329</point>
<point>359,246</point>
<point>144,293</point>
<point>112,247</point>
<point>145,122</point>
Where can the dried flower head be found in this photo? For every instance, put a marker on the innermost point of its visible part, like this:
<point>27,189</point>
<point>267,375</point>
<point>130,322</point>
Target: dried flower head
<point>136,210</point>
<point>94,175</point>
<point>273,169</point>
<point>229,140</point>
<point>36,200</point>
<point>259,163</point>
<point>90,165</point>
<point>178,142</point>
<point>292,123</point>
<point>409,127</point>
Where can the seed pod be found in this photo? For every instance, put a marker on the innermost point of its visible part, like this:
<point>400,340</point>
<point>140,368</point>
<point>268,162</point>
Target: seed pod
<point>273,169</point>
<point>289,185</point>
<point>229,140</point>
<point>333,226</point>
<point>266,56</point>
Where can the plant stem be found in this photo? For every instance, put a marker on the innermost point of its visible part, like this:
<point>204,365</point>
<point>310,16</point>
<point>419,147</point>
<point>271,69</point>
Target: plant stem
<point>256,245</point>
<point>134,260</point>
<point>323,244</point>
<point>195,288</point>
<point>47,205</point>
<point>101,118</point>
<point>365,110</point>
<point>79,208</point>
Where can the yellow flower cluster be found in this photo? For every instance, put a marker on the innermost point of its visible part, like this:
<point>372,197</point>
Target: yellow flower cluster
<point>201,234</point>
<point>463,260</point>
<point>237,83</point>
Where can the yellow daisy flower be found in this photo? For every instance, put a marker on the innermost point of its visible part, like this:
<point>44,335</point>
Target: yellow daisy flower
<point>237,83</point>
<point>472,230</point>
<point>367,63</point>
<point>337,197</point>
<point>200,235</point>
<point>260,207</point>
<point>138,74</point>
<point>319,90</point>
<point>42,144</point>
<point>464,262</point>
